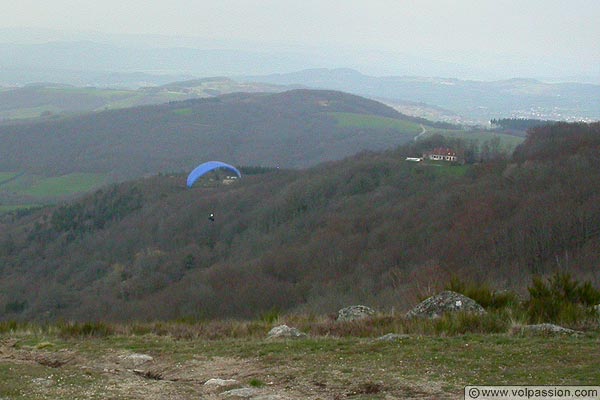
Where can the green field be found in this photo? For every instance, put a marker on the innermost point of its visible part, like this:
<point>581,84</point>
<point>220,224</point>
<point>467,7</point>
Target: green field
<point>7,176</point>
<point>66,185</point>
<point>6,209</point>
<point>183,111</point>
<point>103,93</point>
<point>19,191</point>
<point>506,142</point>
<point>30,112</point>
<point>91,99</point>
<point>354,120</point>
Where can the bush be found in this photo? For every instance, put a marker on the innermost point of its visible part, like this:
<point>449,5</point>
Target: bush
<point>10,326</point>
<point>561,299</point>
<point>257,383</point>
<point>483,294</point>
<point>75,329</point>
<point>462,323</point>
<point>270,316</point>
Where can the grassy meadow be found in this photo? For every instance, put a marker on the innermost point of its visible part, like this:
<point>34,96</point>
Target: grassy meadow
<point>355,120</point>
<point>66,185</point>
<point>18,191</point>
<point>337,360</point>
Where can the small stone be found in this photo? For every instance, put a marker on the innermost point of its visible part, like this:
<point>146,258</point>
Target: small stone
<point>545,329</point>
<point>135,359</point>
<point>46,382</point>
<point>217,385</point>
<point>221,382</point>
<point>244,393</point>
<point>285,332</point>
<point>392,337</point>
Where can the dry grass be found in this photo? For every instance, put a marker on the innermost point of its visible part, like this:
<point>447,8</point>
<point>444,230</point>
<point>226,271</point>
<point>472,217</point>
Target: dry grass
<point>494,322</point>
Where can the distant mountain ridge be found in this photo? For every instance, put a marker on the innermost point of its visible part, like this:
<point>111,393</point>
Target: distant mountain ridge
<point>88,62</point>
<point>49,99</point>
<point>527,98</point>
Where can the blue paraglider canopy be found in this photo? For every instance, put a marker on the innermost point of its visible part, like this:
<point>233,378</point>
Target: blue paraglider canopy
<point>207,167</point>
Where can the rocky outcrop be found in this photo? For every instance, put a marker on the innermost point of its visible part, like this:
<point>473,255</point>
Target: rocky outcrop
<point>445,302</point>
<point>285,332</point>
<point>355,312</point>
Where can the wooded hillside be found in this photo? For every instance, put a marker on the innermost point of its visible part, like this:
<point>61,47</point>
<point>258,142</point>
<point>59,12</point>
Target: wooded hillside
<point>293,129</point>
<point>371,229</point>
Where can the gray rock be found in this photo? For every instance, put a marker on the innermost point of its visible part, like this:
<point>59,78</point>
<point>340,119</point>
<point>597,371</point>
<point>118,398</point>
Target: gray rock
<point>285,332</point>
<point>355,312</point>
<point>220,382</point>
<point>545,329</point>
<point>392,337</point>
<point>135,359</point>
<point>444,302</point>
<point>217,385</point>
<point>244,393</point>
<point>46,382</point>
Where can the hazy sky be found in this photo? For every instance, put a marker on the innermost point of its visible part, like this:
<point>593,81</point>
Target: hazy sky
<point>554,31</point>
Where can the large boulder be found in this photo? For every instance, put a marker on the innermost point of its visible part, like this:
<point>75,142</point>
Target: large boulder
<point>445,302</point>
<point>355,312</point>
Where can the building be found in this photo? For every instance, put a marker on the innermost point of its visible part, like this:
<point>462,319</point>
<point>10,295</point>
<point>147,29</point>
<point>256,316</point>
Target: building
<point>443,154</point>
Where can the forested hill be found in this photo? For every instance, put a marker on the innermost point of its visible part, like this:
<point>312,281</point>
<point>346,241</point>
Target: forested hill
<point>298,128</point>
<point>370,229</point>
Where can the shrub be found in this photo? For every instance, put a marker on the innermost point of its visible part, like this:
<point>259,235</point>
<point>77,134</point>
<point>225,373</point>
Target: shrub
<point>75,329</point>
<point>257,383</point>
<point>561,299</point>
<point>461,323</point>
<point>270,316</point>
<point>10,326</point>
<point>483,294</point>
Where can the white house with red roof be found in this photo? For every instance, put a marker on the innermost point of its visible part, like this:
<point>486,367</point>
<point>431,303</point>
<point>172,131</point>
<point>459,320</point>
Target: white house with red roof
<point>442,154</point>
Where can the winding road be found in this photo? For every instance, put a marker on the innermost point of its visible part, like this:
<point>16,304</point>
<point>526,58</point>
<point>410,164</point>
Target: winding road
<point>423,131</point>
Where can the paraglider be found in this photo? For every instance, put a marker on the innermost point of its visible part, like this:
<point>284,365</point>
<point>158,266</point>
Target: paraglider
<point>202,169</point>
